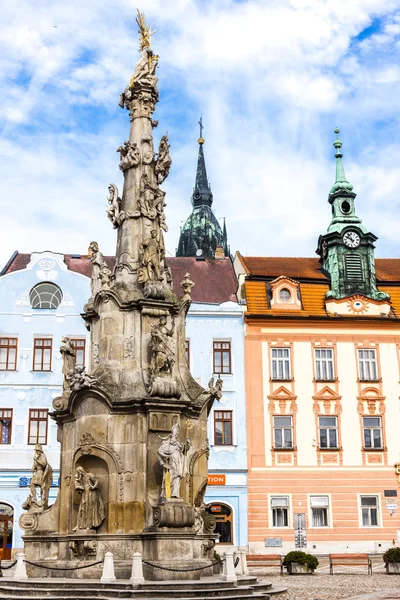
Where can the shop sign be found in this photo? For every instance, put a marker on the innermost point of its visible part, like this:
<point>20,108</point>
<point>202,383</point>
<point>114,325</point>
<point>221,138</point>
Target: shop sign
<point>25,482</point>
<point>219,479</point>
<point>392,506</point>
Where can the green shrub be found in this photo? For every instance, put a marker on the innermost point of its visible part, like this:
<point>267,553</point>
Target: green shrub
<point>302,558</point>
<point>392,555</point>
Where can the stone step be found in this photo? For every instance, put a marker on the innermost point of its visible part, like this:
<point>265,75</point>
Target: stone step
<point>22,595</point>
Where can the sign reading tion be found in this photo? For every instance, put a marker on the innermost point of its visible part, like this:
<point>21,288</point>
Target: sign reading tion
<point>216,479</point>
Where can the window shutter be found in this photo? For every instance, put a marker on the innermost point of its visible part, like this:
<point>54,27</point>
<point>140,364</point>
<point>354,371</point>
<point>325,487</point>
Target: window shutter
<point>353,267</point>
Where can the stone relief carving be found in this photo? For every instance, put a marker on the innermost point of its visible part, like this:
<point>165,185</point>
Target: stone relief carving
<point>67,350</point>
<point>105,276</point>
<point>42,477</point>
<point>187,285</point>
<point>198,526</point>
<point>91,511</point>
<point>128,346</point>
<point>114,212</point>
<point>152,253</point>
<point>79,379</point>
<point>215,389</point>
<point>171,454</point>
<point>83,547</point>
<point>164,160</point>
<point>97,260</point>
<point>129,155</point>
<point>162,351</point>
<point>96,357</point>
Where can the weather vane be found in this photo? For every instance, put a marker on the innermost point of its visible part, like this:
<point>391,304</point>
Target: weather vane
<point>145,32</point>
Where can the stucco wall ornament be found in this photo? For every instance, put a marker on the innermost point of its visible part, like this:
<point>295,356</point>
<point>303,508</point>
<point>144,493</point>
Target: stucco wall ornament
<point>67,350</point>
<point>129,155</point>
<point>114,212</point>
<point>164,160</point>
<point>91,511</point>
<point>79,379</point>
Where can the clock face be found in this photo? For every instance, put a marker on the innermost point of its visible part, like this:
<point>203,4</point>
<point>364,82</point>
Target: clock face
<point>351,239</point>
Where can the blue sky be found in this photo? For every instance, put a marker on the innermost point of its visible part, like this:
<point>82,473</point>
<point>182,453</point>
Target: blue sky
<point>272,79</point>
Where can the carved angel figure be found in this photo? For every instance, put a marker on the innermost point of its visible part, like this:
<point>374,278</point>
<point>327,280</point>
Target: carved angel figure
<point>164,160</point>
<point>91,511</point>
<point>152,255</point>
<point>171,454</point>
<point>129,154</point>
<point>114,212</point>
<point>42,477</point>
<point>79,379</point>
<point>67,350</point>
<point>162,354</point>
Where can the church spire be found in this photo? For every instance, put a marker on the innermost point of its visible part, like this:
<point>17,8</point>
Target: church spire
<point>341,182</point>
<point>202,192</point>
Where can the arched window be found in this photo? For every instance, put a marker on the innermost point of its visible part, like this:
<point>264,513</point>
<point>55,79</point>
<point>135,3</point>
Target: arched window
<point>45,295</point>
<point>223,516</point>
<point>6,530</point>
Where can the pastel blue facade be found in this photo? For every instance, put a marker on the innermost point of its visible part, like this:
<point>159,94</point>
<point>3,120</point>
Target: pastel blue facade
<point>24,389</point>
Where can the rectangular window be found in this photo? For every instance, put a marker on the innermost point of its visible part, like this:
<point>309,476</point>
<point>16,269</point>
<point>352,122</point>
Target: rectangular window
<point>324,364</point>
<point>38,420</point>
<point>223,427</point>
<point>319,511</point>
<point>283,432</point>
<point>327,432</point>
<point>42,349</point>
<point>369,511</point>
<point>280,363</point>
<point>8,354</point>
<point>372,429</point>
<point>222,357</point>
<point>80,347</point>
<point>187,352</point>
<point>5,425</point>
<point>280,511</point>
<point>367,367</point>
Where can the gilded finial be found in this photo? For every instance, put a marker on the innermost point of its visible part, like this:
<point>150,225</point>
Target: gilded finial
<point>145,32</point>
<point>201,139</point>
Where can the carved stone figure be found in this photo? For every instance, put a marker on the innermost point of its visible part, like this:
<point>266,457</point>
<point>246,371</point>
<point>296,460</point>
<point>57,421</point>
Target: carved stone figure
<point>125,97</point>
<point>171,454</point>
<point>130,155</point>
<point>91,511</point>
<point>215,390</point>
<point>114,212</point>
<point>97,262</point>
<point>152,255</point>
<point>105,274</point>
<point>187,285</point>
<point>79,379</point>
<point>164,160</point>
<point>67,350</point>
<point>198,526</point>
<point>42,477</point>
<point>162,355</point>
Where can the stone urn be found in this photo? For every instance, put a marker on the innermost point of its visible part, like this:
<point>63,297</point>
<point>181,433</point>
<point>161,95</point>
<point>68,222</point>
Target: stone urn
<point>294,568</point>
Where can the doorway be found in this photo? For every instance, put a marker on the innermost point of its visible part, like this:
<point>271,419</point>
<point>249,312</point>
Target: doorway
<point>6,530</point>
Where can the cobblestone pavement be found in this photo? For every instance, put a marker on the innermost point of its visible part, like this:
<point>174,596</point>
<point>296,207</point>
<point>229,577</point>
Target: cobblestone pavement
<point>345,583</point>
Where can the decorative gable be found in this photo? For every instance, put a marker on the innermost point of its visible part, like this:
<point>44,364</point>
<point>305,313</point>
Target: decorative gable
<point>285,294</point>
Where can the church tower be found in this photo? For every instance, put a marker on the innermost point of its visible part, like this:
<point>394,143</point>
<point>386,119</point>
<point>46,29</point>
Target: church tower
<point>201,234</point>
<point>347,249</point>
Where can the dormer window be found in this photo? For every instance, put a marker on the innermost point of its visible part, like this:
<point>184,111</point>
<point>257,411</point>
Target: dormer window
<point>285,294</point>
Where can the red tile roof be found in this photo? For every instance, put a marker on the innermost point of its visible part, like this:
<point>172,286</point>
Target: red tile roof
<point>215,280</point>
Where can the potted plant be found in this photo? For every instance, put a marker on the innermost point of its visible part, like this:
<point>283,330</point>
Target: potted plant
<point>391,558</point>
<point>297,562</point>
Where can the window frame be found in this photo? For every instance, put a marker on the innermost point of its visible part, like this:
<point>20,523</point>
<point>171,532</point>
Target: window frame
<point>283,428</point>
<point>38,420</point>
<point>363,361</point>
<point>57,292</point>
<point>377,507</point>
<point>327,508</point>
<point>223,420</point>
<point>228,519</point>
<point>42,348</point>
<point>80,339</point>
<point>272,510</point>
<point>4,417</point>
<point>372,428</point>
<point>285,360</point>
<point>222,351</point>
<point>322,361</point>
<point>9,347</point>
<point>328,428</point>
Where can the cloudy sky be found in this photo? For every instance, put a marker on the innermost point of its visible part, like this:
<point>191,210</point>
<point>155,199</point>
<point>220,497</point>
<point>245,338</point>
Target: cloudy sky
<point>272,79</point>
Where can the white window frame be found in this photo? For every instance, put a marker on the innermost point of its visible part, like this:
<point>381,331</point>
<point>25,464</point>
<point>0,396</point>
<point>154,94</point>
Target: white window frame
<point>372,428</point>
<point>280,365</point>
<point>328,427</point>
<point>324,364</point>
<point>271,509</point>
<point>282,428</point>
<point>367,364</point>
<point>328,509</point>
<point>378,507</point>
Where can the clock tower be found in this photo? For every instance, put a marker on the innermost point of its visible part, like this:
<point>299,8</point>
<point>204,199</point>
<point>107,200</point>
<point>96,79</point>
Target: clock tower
<point>347,249</point>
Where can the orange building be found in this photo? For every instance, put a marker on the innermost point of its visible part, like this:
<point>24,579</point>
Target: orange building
<point>322,356</point>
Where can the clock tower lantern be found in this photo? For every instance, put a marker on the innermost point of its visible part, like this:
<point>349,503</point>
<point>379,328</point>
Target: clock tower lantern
<point>347,249</point>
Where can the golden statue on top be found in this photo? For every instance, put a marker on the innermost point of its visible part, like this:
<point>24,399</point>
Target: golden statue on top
<point>145,32</point>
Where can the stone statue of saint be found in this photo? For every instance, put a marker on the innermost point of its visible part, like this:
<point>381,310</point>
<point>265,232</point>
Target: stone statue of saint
<point>91,511</point>
<point>152,255</point>
<point>42,477</point>
<point>162,355</point>
<point>130,155</point>
<point>114,212</point>
<point>164,160</point>
<point>97,262</point>
<point>67,350</point>
<point>171,454</point>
